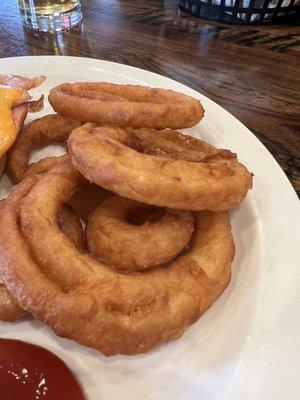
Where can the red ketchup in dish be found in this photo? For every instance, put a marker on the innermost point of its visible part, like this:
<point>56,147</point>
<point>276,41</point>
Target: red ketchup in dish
<point>29,372</point>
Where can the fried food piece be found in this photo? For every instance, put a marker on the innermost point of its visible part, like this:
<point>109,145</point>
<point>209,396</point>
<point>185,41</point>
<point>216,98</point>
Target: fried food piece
<point>122,160</point>
<point>21,81</point>
<point>8,130</point>
<point>14,106</point>
<point>45,165</point>
<point>85,300</point>
<point>132,237</point>
<point>126,105</point>
<point>37,134</point>
<point>70,224</point>
<point>10,310</point>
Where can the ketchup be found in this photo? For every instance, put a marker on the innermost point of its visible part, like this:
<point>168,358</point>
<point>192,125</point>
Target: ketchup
<point>29,372</point>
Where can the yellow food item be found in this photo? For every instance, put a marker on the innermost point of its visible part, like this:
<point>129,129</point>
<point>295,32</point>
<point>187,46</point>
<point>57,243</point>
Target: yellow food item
<point>8,130</point>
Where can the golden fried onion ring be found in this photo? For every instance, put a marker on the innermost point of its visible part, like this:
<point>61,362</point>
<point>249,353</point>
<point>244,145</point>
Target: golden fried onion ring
<point>118,236</point>
<point>87,301</point>
<point>115,159</point>
<point>126,105</point>
<point>38,133</point>
<point>70,224</point>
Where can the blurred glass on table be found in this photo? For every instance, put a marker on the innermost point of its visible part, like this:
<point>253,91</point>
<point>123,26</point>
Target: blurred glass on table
<point>50,15</point>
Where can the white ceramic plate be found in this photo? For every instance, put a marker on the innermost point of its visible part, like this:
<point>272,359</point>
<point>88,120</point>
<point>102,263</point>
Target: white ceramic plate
<point>247,345</point>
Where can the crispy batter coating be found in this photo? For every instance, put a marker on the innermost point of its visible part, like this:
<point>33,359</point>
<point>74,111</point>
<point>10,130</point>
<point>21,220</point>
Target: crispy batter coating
<point>129,236</point>
<point>37,134</point>
<point>45,165</point>
<point>122,160</point>
<point>126,105</point>
<point>70,224</point>
<point>10,310</point>
<point>87,301</point>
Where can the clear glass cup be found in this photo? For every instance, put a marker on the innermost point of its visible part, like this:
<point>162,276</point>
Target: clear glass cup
<point>50,15</point>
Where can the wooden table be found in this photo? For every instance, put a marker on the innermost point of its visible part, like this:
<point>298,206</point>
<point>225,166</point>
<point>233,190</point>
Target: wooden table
<point>252,71</point>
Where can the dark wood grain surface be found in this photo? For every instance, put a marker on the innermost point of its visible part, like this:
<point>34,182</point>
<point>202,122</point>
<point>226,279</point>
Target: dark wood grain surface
<point>252,71</point>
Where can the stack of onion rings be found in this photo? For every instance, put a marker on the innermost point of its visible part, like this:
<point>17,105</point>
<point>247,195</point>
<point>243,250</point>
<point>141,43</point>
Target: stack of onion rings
<point>112,158</point>
<point>85,300</point>
<point>152,261</point>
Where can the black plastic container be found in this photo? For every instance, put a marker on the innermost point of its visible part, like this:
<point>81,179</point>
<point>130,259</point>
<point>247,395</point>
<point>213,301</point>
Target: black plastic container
<point>256,11</point>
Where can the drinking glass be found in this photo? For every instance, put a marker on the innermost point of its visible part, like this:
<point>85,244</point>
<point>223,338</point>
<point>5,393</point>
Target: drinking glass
<point>50,15</point>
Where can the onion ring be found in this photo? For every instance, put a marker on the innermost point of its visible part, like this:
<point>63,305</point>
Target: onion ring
<point>70,224</point>
<point>116,240</point>
<point>111,158</point>
<point>10,311</point>
<point>45,165</point>
<point>87,301</point>
<point>126,105</point>
<point>38,133</point>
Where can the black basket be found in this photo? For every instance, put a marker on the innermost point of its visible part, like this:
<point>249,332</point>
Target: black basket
<point>256,12</point>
